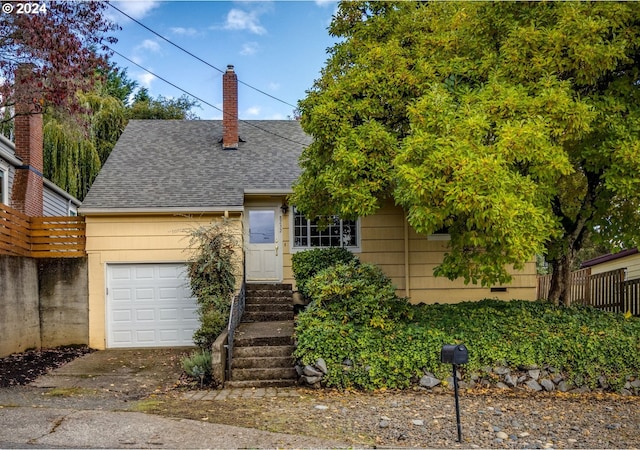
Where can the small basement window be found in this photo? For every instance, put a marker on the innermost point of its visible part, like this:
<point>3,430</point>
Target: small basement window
<point>498,289</point>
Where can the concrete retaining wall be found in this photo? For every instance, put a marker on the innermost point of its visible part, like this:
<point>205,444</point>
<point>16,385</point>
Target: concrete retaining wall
<point>64,301</point>
<point>43,303</point>
<point>19,304</point>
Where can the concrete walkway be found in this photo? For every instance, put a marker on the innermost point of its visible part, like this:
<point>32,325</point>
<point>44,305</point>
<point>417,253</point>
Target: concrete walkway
<point>67,428</point>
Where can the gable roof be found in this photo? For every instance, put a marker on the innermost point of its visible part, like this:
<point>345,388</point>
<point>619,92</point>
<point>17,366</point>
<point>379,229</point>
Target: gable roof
<point>164,165</point>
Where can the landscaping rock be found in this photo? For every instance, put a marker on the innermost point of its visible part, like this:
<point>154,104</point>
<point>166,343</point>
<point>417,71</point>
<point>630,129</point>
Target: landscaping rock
<point>429,381</point>
<point>533,385</point>
<point>534,374</point>
<point>548,385</point>
<point>511,380</point>
<point>501,370</point>
<point>311,380</point>
<point>311,371</point>
<point>322,365</point>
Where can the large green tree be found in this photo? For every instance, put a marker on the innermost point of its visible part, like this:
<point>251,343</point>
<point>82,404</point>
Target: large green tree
<point>76,148</point>
<point>516,126</point>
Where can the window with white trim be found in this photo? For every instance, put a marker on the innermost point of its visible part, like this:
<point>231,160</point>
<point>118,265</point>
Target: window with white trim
<point>339,233</point>
<point>4,183</point>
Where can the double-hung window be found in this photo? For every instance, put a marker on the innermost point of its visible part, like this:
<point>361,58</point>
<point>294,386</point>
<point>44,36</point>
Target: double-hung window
<point>339,233</point>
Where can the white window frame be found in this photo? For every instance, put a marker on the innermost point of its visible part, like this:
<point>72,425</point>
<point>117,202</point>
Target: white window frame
<point>294,249</point>
<point>4,168</point>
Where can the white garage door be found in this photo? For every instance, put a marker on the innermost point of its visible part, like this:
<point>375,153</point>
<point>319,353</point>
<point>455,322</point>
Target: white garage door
<point>149,305</point>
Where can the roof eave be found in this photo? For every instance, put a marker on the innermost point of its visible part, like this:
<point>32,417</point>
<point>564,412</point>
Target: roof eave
<point>84,211</point>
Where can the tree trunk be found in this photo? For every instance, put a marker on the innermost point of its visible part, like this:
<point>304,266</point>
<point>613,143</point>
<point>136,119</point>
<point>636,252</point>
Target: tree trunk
<point>560,289</point>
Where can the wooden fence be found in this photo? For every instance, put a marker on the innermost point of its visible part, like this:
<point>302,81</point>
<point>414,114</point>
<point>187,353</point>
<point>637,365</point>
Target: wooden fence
<point>41,237</point>
<point>607,291</point>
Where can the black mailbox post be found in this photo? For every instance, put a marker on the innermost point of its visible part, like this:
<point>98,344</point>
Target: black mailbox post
<point>454,355</point>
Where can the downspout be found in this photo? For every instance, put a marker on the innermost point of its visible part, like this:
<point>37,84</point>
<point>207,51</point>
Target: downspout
<point>407,287</point>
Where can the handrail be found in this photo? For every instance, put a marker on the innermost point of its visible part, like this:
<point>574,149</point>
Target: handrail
<point>235,315</point>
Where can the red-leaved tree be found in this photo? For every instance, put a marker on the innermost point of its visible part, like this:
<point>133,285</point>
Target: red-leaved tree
<point>65,42</point>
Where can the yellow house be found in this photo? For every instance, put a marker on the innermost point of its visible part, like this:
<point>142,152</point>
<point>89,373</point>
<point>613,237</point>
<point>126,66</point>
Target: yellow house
<point>165,177</point>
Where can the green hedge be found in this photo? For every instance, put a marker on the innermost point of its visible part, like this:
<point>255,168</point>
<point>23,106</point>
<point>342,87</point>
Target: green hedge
<point>308,263</point>
<point>372,339</point>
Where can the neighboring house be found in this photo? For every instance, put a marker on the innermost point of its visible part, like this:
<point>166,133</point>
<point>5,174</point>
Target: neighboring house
<point>45,198</point>
<point>629,260</point>
<point>165,177</point>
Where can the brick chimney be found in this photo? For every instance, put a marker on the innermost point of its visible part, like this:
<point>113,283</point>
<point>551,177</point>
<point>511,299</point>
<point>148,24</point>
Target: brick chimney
<point>26,194</point>
<point>230,136</point>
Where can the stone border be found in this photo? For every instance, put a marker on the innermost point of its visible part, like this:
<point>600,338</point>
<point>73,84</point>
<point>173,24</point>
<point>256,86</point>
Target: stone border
<point>533,379</point>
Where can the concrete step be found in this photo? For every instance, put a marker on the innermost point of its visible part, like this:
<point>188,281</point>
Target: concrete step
<point>268,362</point>
<point>263,351</point>
<point>259,384</point>
<point>263,299</point>
<point>268,307</point>
<point>266,316</point>
<point>280,373</point>
<point>262,340</point>
<point>267,286</point>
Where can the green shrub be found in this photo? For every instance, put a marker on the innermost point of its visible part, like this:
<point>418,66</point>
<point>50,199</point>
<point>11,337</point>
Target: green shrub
<point>357,293</point>
<point>372,339</point>
<point>212,278</point>
<point>308,263</point>
<point>198,366</point>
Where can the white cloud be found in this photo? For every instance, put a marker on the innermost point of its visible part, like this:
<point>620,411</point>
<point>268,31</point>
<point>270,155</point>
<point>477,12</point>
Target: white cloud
<point>253,111</point>
<point>242,20</point>
<point>249,48</point>
<point>136,9</point>
<point>145,79</point>
<point>184,31</point>
<point>325,3</point>
<point>150,45</point>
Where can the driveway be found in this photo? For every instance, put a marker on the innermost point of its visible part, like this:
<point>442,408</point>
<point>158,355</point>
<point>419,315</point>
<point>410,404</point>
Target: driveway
<point>92,402</point>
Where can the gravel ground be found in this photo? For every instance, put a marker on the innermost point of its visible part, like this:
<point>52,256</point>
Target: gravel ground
<point>489,419</point>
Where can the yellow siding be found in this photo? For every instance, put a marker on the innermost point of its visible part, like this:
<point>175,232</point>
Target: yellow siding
<point>631,263</point>
<point>383,243</point>
<point>133,239</point>
<point>164,238</point>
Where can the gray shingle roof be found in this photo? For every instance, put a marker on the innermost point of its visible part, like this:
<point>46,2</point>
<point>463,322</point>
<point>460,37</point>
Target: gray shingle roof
<point>181,164</point>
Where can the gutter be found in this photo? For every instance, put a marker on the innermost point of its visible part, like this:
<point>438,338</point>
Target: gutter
<point>287,191</point>
<point>88,211</point>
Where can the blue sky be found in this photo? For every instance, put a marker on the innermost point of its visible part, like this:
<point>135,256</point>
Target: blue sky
<point>278,47</point>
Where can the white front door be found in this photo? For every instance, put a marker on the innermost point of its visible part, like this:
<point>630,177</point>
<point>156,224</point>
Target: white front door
<point>263,246</point>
